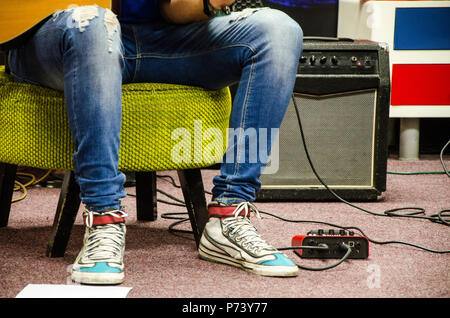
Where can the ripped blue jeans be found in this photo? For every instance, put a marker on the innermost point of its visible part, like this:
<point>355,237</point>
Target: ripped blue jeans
<point>86,53</point>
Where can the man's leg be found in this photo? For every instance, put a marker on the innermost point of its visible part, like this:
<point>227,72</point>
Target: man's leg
<point>259,50</point>
<point>79,51</point>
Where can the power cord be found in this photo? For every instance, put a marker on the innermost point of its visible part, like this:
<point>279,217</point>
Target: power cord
<point>175,215</point>
<point>342,245</point>
<point>437,218</point>
<point>356,229</point>
<point>178,216</point>
<point>441,158</point>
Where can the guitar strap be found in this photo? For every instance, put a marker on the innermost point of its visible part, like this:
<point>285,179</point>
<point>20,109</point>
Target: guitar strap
<point>115,7</point>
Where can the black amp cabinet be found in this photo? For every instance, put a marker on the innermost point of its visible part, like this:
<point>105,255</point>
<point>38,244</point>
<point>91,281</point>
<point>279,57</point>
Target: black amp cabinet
<point>342,91</point>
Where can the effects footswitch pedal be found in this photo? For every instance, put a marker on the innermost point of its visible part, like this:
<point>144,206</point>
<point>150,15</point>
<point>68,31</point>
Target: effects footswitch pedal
<point>331,242</point>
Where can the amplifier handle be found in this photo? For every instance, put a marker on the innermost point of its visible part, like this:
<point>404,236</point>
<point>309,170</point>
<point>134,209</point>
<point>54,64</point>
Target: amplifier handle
<point>326,38</point>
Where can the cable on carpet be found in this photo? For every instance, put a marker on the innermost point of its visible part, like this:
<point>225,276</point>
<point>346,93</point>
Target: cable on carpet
<point>176,216</point>
<point>441,158</point>
<point>19,186</point>
<point>343,245</point>
<point>439,218</point>
<point>436,218</point>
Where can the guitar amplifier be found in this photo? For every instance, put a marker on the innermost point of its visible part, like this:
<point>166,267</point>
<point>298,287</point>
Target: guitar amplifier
<point>342,91</point>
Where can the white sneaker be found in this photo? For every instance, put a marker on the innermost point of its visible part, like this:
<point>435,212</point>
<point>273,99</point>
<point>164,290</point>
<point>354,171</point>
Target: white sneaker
<point>235,241</point>
<point>100,260</point>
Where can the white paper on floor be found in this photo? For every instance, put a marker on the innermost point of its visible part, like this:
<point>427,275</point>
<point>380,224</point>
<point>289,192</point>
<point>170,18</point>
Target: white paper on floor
<point>72,291</point>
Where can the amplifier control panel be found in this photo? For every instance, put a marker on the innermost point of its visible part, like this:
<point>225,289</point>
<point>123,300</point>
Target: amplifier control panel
<point>338,62</point>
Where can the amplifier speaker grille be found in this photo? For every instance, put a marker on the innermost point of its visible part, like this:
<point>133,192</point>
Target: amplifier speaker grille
<point>339,136</point>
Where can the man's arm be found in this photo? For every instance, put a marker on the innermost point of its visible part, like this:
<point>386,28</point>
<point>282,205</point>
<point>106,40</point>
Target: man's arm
<point>186,11</point>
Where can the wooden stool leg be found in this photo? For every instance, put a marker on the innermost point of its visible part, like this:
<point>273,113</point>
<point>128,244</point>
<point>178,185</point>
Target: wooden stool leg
<point>7,177</point>
<point>146,202</point>
<point>66,212</point>
<point>194,196</point>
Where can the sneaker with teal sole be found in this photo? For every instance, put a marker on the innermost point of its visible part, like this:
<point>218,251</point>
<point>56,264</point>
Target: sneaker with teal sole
<point>100,260</point>
<point>233,240</point>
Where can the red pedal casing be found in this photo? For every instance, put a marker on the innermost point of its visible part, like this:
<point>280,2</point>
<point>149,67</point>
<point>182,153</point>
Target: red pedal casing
<point>358,244</point>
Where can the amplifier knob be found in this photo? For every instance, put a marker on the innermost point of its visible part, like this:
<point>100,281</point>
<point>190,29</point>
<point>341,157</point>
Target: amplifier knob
<point>334,60</point>
<point>323,60</point>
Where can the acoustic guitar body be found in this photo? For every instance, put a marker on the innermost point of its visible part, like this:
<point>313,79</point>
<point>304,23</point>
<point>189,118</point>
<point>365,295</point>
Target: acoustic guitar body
<point>19,18</point>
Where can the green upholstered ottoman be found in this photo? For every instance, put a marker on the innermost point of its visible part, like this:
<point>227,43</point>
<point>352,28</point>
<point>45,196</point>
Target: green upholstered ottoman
<point>164,127</point>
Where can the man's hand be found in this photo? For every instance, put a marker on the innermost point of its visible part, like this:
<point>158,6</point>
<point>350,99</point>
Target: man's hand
<point>221,3</point>
<point>186,11</point>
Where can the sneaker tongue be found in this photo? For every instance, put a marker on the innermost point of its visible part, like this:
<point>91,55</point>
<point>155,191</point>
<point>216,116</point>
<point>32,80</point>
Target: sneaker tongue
<point>105,243</point>
<point>247,232</point>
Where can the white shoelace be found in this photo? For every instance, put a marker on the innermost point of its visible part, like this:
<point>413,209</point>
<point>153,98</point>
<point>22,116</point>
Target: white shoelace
<point>105,242</point>
<point>243,231</point>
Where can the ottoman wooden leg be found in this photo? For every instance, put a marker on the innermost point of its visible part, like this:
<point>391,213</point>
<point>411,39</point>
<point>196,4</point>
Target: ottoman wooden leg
<point>7,177</point>
<point>68,206</point>
<point>146,204</point>
<point>194,196</point>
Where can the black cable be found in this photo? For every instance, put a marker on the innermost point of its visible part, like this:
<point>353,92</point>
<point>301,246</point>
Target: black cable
<point>387,212</point>
<point>171,196</point>
<point>178,203</point>
<point>441,219</point>
<point>436,218</point>
<point>357,229</point>
<point>347,254</point>
<point>441,157</point>
<point>415,172</point>
<point>171,203</point>
<point>305,247</point>
<point>172,215</point>
<point>172,181</point>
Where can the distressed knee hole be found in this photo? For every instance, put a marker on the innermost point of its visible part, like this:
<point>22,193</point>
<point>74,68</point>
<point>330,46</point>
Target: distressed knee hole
<point>244,14</point>
<point>112,25</point>
<point>81,16</point>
